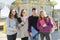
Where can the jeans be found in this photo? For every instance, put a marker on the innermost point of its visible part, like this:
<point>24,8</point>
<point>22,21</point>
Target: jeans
<point>35,38</point>
<point>11,37</point>
<point>25,38</point>
<point>46,35</point>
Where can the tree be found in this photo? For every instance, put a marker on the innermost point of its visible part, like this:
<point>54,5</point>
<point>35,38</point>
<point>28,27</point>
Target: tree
<point>42,3</point>
<point>52,4</point>
<point>33,3</point>
<point>17,5</point>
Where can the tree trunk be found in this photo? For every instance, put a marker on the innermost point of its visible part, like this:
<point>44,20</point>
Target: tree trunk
<point>53,12</point>
<point>18,12</point>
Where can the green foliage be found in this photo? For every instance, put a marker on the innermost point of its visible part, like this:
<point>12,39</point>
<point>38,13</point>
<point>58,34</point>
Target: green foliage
<point>51,3</point>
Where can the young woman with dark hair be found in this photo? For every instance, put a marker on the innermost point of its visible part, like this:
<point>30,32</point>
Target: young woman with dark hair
<point>24,25</point>
<point>12,25</point>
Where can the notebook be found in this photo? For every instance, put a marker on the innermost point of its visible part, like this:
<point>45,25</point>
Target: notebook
<point>42,22</point>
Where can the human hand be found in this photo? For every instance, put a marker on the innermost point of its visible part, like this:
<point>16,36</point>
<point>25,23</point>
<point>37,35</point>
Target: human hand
<point>22,22</point>
<point>15,30</point>
<point>44,25</point>
<point>30,34</point>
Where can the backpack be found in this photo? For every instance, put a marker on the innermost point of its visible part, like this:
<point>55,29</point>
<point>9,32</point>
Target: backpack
<point>54,25</point>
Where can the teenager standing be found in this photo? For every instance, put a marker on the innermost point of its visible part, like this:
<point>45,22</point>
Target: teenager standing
<point>44,25</point>
<point>12,25</point>
<point>24,34</point>
<point>32,21</point>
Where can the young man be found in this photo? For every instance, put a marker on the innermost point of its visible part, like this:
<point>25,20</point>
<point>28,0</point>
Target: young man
<point>32,21</point>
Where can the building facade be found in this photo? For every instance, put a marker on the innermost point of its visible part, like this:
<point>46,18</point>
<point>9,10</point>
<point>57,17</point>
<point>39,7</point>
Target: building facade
<point>29,4</point>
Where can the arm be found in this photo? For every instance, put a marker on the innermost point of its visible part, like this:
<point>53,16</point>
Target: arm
<point>39,26</point>
<point>29,24</point>
<point>19,20</point>
<point>49,25</point>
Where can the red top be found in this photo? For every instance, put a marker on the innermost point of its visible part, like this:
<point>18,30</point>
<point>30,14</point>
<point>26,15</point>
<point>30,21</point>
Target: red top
<point>42,22</point>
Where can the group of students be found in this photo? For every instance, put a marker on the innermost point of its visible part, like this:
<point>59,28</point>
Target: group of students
<point>23,24</point>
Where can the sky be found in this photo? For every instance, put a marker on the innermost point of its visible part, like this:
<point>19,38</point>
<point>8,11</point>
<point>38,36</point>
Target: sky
<point>8,2</point>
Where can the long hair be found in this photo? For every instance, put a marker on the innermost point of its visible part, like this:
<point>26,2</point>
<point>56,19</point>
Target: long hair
<point>22,12</point>
<point>46,16</point>
<point>15,14</point>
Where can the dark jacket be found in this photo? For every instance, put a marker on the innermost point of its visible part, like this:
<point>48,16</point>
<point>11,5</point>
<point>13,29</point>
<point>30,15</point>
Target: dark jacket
<point>19,20</point>
<point>32,22</point>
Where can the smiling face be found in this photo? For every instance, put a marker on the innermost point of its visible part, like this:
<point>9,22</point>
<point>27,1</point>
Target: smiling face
<point>34,12</point>
<point>12,13</point>
<point>23,13</point>
<point>43,14</point>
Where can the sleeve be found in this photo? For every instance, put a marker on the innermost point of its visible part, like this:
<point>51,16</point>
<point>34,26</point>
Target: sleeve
<point>50,25</point>
<point>29,24</point>
<point>19,20</point>
<point>7,25</point>
<point>39,26</point>
<point>53,22</point>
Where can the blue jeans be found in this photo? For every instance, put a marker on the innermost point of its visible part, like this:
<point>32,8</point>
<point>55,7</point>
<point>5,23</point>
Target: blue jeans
<point>37,37</point>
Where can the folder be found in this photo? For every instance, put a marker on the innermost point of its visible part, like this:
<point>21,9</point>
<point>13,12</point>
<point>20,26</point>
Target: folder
<point>34,31</point>
<point>42,22</point>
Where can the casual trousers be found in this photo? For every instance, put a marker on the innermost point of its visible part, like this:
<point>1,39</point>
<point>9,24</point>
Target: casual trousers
<point>25,38</point>
<point>46,35</point>
<point>11,37</point>
<point>35,38</point>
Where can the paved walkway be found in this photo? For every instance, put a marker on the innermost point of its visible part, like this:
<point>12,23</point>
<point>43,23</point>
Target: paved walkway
<point>3,36</point>
<point>55,36</point>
